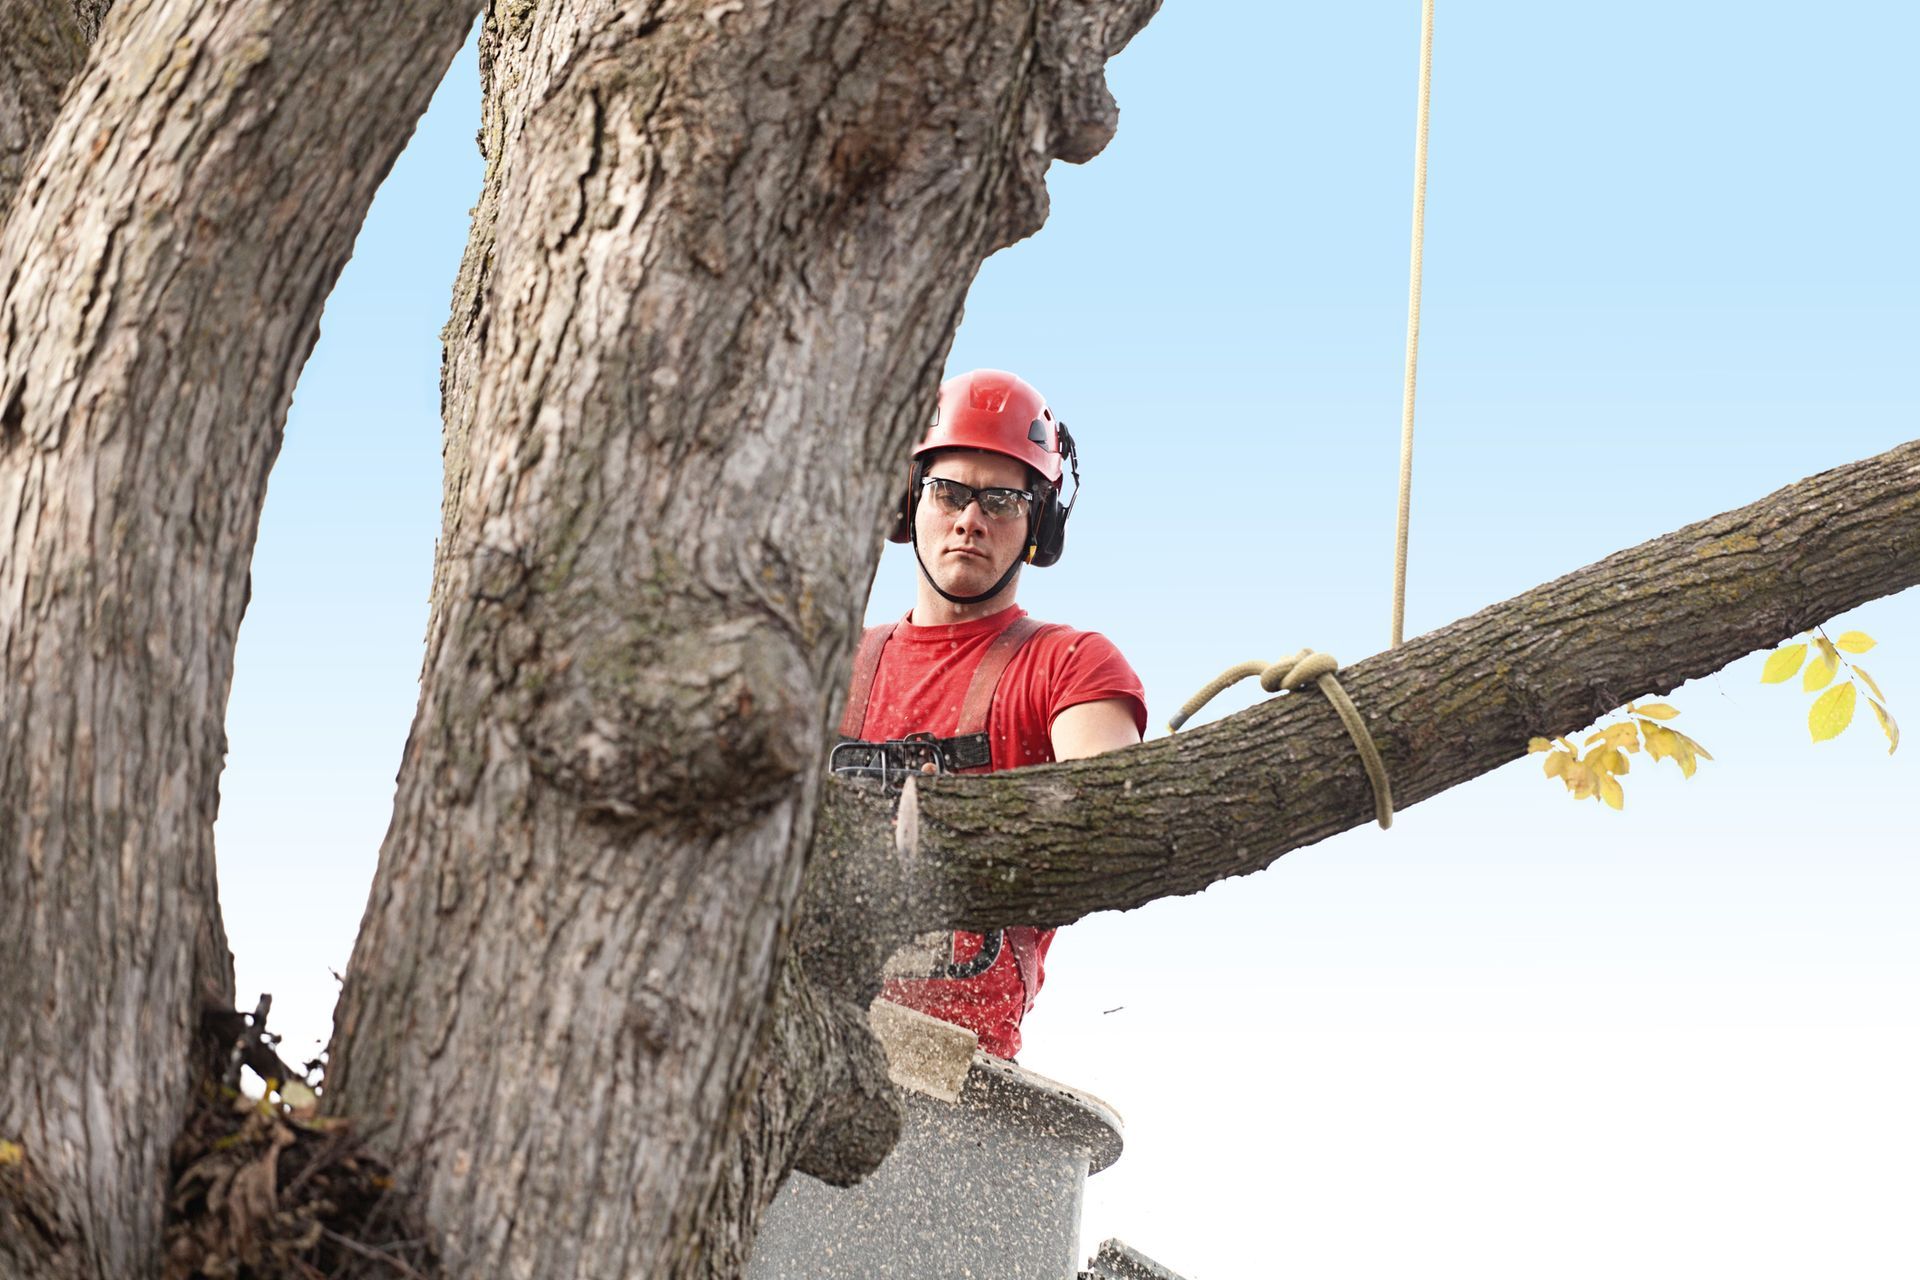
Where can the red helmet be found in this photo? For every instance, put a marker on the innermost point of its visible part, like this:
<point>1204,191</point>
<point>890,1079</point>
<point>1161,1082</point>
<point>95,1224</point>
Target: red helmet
<point>997,412</point>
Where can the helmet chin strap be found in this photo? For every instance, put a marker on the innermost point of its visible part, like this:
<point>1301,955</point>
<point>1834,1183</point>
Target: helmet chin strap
<point>951,598</point>
<point>948,596</point>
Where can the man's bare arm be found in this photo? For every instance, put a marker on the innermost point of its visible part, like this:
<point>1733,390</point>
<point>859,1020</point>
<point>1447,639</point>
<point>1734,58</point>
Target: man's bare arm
<point>1089,728</point>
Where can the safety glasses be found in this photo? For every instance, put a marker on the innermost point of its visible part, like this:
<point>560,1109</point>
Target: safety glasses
<point>999,504</point>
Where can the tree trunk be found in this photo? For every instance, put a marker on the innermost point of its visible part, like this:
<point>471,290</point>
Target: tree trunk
<point>721,255</point>
<point>161,277</point>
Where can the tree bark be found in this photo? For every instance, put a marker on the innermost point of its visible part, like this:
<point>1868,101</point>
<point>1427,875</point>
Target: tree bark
<point>721,256</point>
<point>90,14</point>
<point>45,48</point>
<point>161,277</point>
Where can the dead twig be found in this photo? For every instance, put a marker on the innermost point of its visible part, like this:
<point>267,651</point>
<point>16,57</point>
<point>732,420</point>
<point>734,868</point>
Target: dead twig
<point>367,1251</point>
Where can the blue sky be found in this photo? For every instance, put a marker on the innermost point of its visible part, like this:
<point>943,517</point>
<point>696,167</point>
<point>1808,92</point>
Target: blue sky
<point>1670,268</point>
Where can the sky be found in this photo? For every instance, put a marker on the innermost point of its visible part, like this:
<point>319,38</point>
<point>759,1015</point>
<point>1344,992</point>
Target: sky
<point>1669,268</point>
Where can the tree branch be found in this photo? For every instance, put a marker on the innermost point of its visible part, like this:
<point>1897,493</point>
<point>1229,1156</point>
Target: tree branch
<point>1051,844</point>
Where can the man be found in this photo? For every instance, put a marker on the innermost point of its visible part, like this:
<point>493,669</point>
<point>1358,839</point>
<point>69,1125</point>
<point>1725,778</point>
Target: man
<point>993,688</point>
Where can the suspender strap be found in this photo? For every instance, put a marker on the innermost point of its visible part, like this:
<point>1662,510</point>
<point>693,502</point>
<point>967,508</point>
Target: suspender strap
<point>866,661</point>
<point>1024,942</point>
<point>986,677</point>
<point>969,748</point>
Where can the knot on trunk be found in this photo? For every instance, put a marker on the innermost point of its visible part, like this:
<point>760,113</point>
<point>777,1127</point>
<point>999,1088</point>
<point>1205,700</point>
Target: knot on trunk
<point>1067,112</point>
<point>855,1121</point>
<point>637,717</point>
<point>1076,40</point>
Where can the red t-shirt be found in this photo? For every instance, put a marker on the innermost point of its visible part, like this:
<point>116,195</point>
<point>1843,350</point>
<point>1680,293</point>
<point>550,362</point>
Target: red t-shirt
<point>918,688</point>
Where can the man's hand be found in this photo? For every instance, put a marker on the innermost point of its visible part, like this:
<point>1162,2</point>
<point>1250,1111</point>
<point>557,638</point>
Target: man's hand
<point>1089,728</point>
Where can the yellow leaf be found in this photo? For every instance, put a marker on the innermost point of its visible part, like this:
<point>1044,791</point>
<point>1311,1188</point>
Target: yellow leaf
<point>1855,641</point>
<point>1610,760</point>
<point>1783,664</point>
<point>1862,673</point>
<point>1671,744</point>
<point>1693,746</point>
<point>1887,726</point>
<point>11,1153</point>
<point>1832,711</point>
<point>1683,756</point>
<point>1611,793</point>
<point>1655,711</point>
<point>1538,744</point>
<point>1625,736</point>
<point>1557,763</point>
<point>1819,671</point>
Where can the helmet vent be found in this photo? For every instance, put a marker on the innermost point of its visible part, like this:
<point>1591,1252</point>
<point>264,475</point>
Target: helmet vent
<point>1037,432</point>
<point>990,396</point>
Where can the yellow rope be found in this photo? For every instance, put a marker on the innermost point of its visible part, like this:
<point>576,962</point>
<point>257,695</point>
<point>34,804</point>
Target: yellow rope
<point>1302,669</point>
<point>1307,667</point>
<point>1413,324</point>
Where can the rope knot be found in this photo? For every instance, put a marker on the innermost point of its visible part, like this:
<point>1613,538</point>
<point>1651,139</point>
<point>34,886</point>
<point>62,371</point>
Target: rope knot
<point>1296,673</point>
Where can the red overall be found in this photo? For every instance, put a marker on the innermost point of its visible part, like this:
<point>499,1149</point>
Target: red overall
<point>1007,676</point>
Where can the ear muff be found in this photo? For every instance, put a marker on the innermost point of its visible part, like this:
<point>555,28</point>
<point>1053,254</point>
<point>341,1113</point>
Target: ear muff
<point>1049,529</point>
<point>902,530</point>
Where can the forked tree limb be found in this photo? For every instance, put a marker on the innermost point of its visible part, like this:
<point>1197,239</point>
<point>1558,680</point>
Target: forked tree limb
<point>1051,844</point>
<point>182,216</point>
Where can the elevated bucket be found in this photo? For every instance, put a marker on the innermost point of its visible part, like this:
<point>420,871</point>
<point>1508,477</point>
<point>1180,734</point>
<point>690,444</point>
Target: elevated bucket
<point>986,1181</point>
